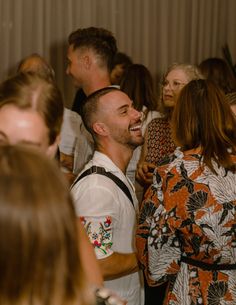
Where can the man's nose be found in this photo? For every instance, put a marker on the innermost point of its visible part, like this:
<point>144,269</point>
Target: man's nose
<point>136,114</point>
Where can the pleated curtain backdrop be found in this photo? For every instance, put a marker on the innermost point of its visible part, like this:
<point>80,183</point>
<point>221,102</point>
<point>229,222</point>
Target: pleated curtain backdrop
<point>155,33</point>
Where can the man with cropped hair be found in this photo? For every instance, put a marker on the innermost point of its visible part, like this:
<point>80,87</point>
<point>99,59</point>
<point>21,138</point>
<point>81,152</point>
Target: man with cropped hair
<point>104,196</point>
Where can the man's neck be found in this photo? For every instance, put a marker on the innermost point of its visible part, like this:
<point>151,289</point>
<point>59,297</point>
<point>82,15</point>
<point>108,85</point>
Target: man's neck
<point>119,154</point>
<point>96,83</point>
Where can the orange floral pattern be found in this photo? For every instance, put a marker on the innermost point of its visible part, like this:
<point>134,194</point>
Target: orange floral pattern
<point>190,211</point>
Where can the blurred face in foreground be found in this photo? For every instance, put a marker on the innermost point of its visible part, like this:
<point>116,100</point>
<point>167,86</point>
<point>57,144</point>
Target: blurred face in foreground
<point>233,108</point>
<point>24,126</point>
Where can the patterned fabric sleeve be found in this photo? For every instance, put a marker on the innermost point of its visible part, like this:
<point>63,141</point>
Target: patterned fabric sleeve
<point>99,231</point>
<point>163,245</point>
<point>147,210</point>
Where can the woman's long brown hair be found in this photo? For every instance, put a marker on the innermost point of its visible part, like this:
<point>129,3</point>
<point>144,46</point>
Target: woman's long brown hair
<point>39,257</point>
<point>203,118</point>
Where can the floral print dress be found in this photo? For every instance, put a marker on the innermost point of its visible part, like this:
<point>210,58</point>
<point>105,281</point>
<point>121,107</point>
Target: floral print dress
<point>190,212</point>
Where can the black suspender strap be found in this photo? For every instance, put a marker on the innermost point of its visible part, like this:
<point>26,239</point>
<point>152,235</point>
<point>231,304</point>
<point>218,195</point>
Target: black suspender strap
<point>101,171</point>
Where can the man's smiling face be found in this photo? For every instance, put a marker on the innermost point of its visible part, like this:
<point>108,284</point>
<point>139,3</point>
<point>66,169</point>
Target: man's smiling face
<point>121,119</point>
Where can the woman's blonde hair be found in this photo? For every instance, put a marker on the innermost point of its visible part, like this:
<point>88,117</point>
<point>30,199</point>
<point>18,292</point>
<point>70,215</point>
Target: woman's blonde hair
<point>32,91</point>
<point>191,71</point>
<point>39,257</point>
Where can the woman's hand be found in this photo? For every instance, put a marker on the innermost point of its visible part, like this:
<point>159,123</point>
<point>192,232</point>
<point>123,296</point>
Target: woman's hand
<point>144,173</point>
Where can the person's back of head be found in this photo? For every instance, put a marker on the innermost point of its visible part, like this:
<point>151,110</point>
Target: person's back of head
<point>137,83</point>
<point>100,40</point>
<point>31,91</point>
<point>120,64</point>
<point>208,123</point>
<point>37,64</point>
<point>218,71</point>
<point>39,257</point>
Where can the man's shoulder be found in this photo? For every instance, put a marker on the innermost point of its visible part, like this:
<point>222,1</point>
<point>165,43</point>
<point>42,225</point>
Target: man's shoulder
<point>94,180</point>
<point>94,176</point>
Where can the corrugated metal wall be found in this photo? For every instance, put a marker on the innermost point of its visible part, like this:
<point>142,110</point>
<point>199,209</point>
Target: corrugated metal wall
<point>155,33</point>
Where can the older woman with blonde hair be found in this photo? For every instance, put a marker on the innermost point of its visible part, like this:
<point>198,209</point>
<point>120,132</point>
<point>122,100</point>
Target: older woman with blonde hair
<point>158,139</point>
<point>158,144</point>
<point>31,113</point>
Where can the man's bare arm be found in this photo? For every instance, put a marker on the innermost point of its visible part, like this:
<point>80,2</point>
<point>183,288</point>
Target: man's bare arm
<point>118,264</point>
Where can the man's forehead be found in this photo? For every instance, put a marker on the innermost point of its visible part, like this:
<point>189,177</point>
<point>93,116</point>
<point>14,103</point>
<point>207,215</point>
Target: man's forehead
<point>115,99</point>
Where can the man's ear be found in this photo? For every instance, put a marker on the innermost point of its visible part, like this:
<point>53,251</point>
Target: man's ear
<point>87,61</point>
<point>100,129</point>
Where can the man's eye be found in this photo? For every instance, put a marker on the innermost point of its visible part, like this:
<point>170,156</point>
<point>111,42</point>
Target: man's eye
<point>124,111</point>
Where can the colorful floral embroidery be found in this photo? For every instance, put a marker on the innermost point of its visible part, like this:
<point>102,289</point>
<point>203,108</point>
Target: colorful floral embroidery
<point>99,231</point>
<point>190,211</point>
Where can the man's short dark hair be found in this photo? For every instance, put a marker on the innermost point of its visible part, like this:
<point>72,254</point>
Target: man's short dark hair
<point>100,40</point>
<point>90,105</point>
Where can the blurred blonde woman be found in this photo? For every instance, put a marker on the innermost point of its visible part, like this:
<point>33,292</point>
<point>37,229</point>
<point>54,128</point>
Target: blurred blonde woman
<point>40,258</point>
<point>31,113</point>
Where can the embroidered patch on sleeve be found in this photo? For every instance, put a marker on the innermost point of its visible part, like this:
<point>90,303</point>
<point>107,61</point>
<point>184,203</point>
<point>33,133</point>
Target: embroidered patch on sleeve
<point>99,231</point>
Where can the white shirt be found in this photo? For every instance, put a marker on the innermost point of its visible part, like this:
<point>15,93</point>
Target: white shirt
<point>110,220</point>
<point>75,140</point>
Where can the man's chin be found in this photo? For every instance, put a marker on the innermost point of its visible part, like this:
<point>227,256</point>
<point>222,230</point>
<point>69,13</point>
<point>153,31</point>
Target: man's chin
<point>137,143</point>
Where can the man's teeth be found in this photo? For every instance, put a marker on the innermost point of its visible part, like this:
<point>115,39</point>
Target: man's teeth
<point>134,128</point>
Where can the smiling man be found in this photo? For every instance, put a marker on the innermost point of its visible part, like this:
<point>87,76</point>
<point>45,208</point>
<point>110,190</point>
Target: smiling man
<point>104,196</point>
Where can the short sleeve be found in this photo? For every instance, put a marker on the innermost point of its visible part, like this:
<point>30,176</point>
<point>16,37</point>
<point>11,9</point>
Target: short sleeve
<point>99,231</point>
<point>96,205</point>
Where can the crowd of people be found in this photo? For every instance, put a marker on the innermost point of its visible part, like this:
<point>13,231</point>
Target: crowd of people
<point>127,198</point>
